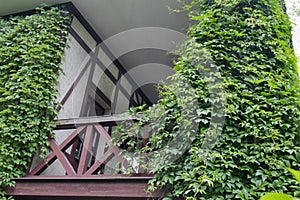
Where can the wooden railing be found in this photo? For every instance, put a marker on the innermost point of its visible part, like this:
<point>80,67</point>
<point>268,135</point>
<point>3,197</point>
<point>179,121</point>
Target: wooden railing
<point>83,169</point>
<point>86,150</point>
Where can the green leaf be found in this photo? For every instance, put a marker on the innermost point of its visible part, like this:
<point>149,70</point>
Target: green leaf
<point>295,173</point>
<point>276,196</point>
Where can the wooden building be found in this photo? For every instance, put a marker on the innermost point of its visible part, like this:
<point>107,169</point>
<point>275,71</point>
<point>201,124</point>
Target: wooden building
<point>96,87</point>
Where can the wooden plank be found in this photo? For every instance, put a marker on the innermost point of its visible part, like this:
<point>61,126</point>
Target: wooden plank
<point>86,151</point>
<point>90,177</point>
<point>115,149</point>
<point>52,156</point>
<point>106,119</point>
<point>62,158</point>
<point>104,134</point>
<point>82,188</point>
<point>71,139</point>
<point>72,160</point>
<point>98,163</point>
<point>73,85</point>
<point>84,104</point>
<point>42,165</point>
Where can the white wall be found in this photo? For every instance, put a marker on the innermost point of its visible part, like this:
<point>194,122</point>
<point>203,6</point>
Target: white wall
<point>293,9</point>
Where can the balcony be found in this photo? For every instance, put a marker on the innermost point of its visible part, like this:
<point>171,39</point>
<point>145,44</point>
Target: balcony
<point>85,165</point>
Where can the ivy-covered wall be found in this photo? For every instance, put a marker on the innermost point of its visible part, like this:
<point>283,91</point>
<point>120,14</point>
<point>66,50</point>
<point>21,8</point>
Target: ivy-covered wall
<point>249,41</point>
<point>31,52</point>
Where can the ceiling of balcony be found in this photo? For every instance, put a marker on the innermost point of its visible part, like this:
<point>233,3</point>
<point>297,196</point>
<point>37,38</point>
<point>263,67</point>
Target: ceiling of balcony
<point>111,18</point>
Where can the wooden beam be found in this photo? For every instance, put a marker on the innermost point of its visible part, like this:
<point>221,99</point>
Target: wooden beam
<point>52,156</point>
<point>62,158</point>
<point>84,104</point>
<point>75,122</point>
<point>115,149</point>
<point>71,138</point>
<point>127,187</point>
<point>100,97</point>
<point>73,85</point>
<point>91,177</point>
<point>99,162</point>
<point>42,165</point>
<point>86,151</point>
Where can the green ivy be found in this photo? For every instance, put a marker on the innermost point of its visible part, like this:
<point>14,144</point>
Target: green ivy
<point>31,52</point>
<point>281,196</point>
<point>250,43</point>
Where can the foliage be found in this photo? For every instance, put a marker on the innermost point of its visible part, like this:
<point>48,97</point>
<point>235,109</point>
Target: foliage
<point>281,196</point>
<point>31,51</point>
<point>249,42</point>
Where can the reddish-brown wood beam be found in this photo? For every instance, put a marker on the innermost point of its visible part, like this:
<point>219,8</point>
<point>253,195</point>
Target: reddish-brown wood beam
<point>90,177</point>
<point>115,149</point>
<point>62,158</point>
<point>109,188</point>
<point>71,160</point>
<point>86,154</point>
<point>98,163</point>
<point>71,139</point>
<point>52,156</point>
<point>43,165</point>
<point>101,130</point>
<point>74,147</point>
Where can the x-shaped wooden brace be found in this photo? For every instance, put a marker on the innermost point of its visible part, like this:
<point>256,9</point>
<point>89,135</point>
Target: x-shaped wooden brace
<point>58,152</point>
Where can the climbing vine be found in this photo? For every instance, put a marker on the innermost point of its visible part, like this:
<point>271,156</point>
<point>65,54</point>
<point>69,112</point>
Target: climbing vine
<point>249,41</point>
<point>31,52</point>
